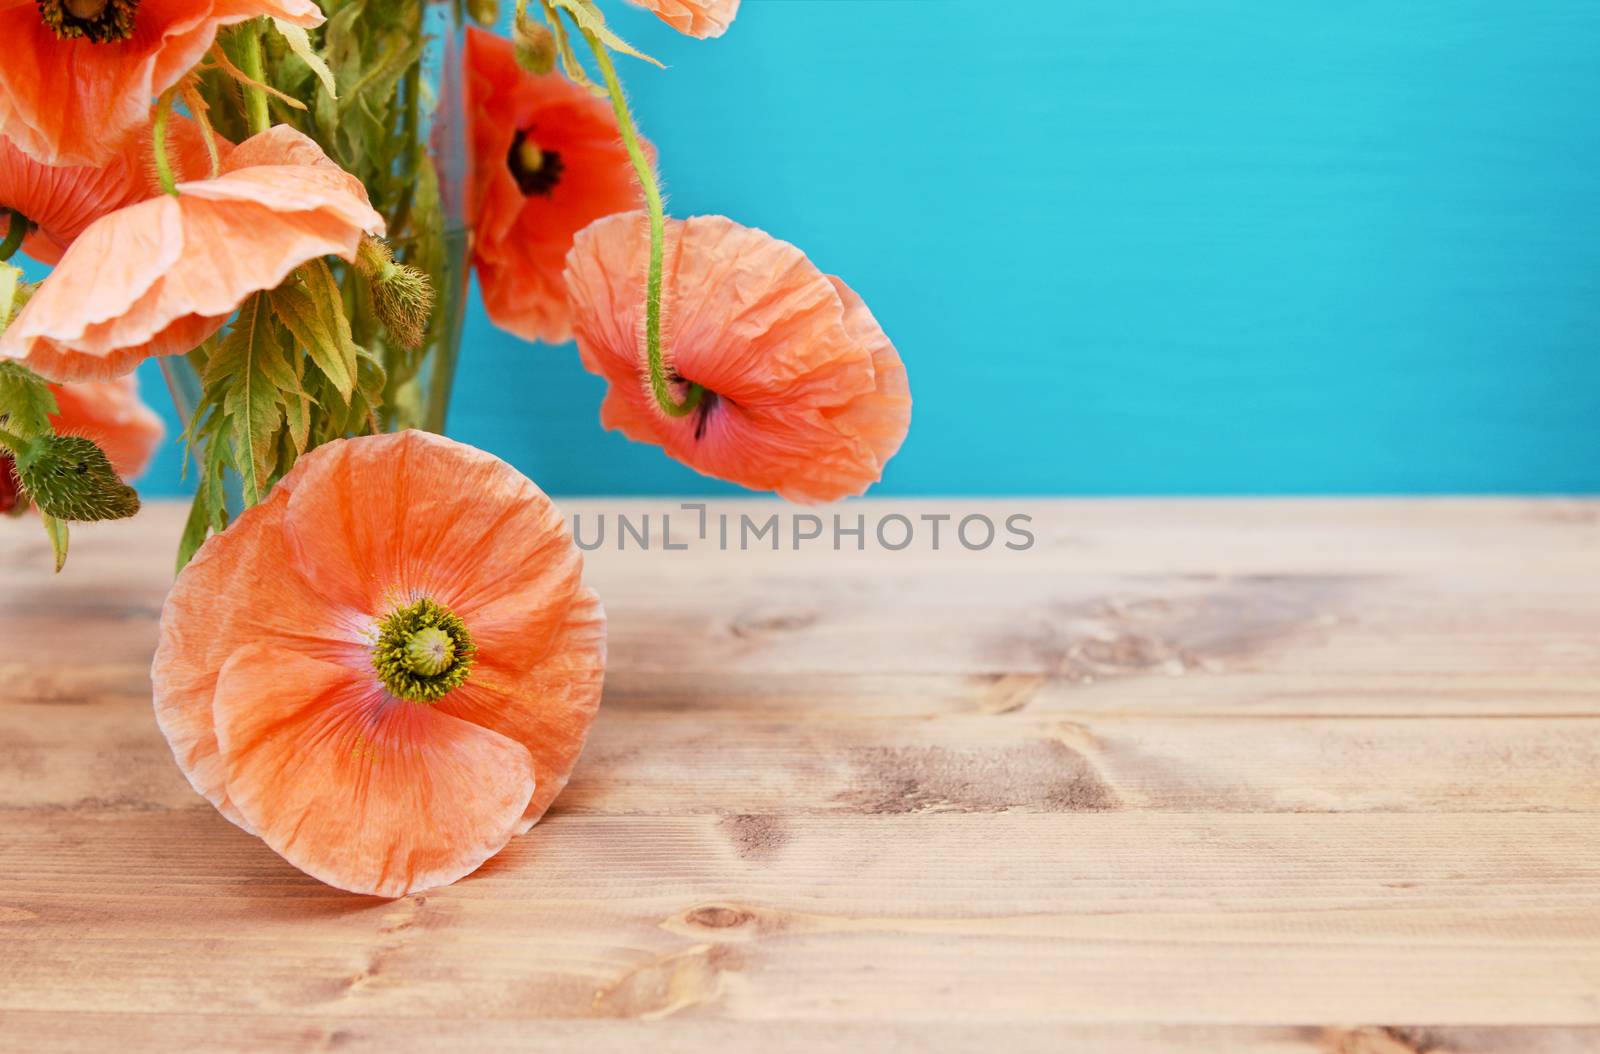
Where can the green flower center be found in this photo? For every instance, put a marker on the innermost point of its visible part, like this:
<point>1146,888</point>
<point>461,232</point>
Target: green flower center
<point>536,171</point>
<point>424,651</point>
<point>98,21</point>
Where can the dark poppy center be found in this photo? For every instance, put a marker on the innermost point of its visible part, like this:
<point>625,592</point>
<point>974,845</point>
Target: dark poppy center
<point>536,171</point>
<point>97,21</point>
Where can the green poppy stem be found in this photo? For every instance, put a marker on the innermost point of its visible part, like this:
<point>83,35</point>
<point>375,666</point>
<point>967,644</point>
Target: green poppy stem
<point>17,231</point>
<point>158,133</point>
<point>659,384</point>
<point>252,66</point>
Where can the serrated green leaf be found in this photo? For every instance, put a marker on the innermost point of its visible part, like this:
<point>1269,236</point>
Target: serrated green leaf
<point>26,401</point>
<point>313,309</point>
<point>57,532</point>
<point>367,404</point>
<point>297,416</point>
<point>300,43</point>
<point>251,364</point>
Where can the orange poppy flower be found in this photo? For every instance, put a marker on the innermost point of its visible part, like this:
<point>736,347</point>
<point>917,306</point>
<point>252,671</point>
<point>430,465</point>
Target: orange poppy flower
<point>697,18</point>
<point>804,394</point>
<point>108,412</point>
<point>61,201</point>
<point>386,669</point>
<point>79,75</point>
<point>548,160</point>
<point>160,276</point>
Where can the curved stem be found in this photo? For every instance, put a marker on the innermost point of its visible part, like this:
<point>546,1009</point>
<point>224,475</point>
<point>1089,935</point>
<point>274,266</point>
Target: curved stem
<point>659,384</point>
<point>158,132</point>
<point>14,235</point>
<point>251,65</point>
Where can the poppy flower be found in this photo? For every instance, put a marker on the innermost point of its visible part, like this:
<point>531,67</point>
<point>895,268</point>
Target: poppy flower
<point>548,160</point>
<point>160,276</point>
<point>60,201</point>
<point>79,75</point>
<point>108,412</point>
<point>803,393</point>
<point>388,667</point>
<point>696,18</point>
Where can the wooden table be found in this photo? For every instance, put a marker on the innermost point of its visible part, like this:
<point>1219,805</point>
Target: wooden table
<point>1247,776</point>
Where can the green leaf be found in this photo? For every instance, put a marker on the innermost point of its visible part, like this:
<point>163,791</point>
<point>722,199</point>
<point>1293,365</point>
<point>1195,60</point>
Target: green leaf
<point>26,401</point>
<point>313,309</point>
<point>208,513</point>
<point>300,43</point>
<point>297,415</point>
<point>57,530</point>
<point>377,80</point>
<point>591,21</point>
<point>251,366</point>
<point>371,380</point>
<point>195,528</point>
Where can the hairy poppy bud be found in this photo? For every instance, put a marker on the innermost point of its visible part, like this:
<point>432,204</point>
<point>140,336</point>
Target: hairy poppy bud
<point>402,295</point>
<point>70,478</point>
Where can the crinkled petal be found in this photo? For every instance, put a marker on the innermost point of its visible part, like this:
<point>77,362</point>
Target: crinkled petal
<point>360,790</point>
<point>547,708</point>
<point>379,522</point>
<point>159,277</point>
<point>882,416</point>
<point>239,589</point>
<point>60,201</point>
<point>695,18</point>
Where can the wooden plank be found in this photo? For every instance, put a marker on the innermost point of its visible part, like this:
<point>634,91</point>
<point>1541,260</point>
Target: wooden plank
<point>1466,919</point>
<point>96,1032</point>
<point>794,761</point>
<point>1048,611</point>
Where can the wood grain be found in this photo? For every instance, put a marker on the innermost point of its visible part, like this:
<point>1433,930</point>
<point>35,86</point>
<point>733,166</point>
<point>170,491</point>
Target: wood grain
<point>1290,776</point>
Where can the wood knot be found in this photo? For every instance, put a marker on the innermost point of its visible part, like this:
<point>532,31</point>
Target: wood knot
<point>718,917</point>
<point>763,623</point>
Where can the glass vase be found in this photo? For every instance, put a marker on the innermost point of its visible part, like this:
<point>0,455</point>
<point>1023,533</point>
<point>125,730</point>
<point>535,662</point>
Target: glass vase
<point>422,195</point>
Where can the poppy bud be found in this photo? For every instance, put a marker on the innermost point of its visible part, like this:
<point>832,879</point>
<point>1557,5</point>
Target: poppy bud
<point>534,46</point>
<point>70,478</point>
<point>402,295</point>
<point>484,12</point>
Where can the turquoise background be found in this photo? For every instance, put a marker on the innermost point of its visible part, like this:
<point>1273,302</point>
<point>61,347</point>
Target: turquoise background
<point>1145,247</point>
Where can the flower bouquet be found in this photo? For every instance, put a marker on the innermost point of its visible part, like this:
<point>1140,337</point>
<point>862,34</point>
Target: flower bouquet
<point>379,655</point>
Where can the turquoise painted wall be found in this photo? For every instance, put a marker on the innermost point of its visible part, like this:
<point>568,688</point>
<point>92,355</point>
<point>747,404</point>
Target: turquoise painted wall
<point>1131,246</point>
